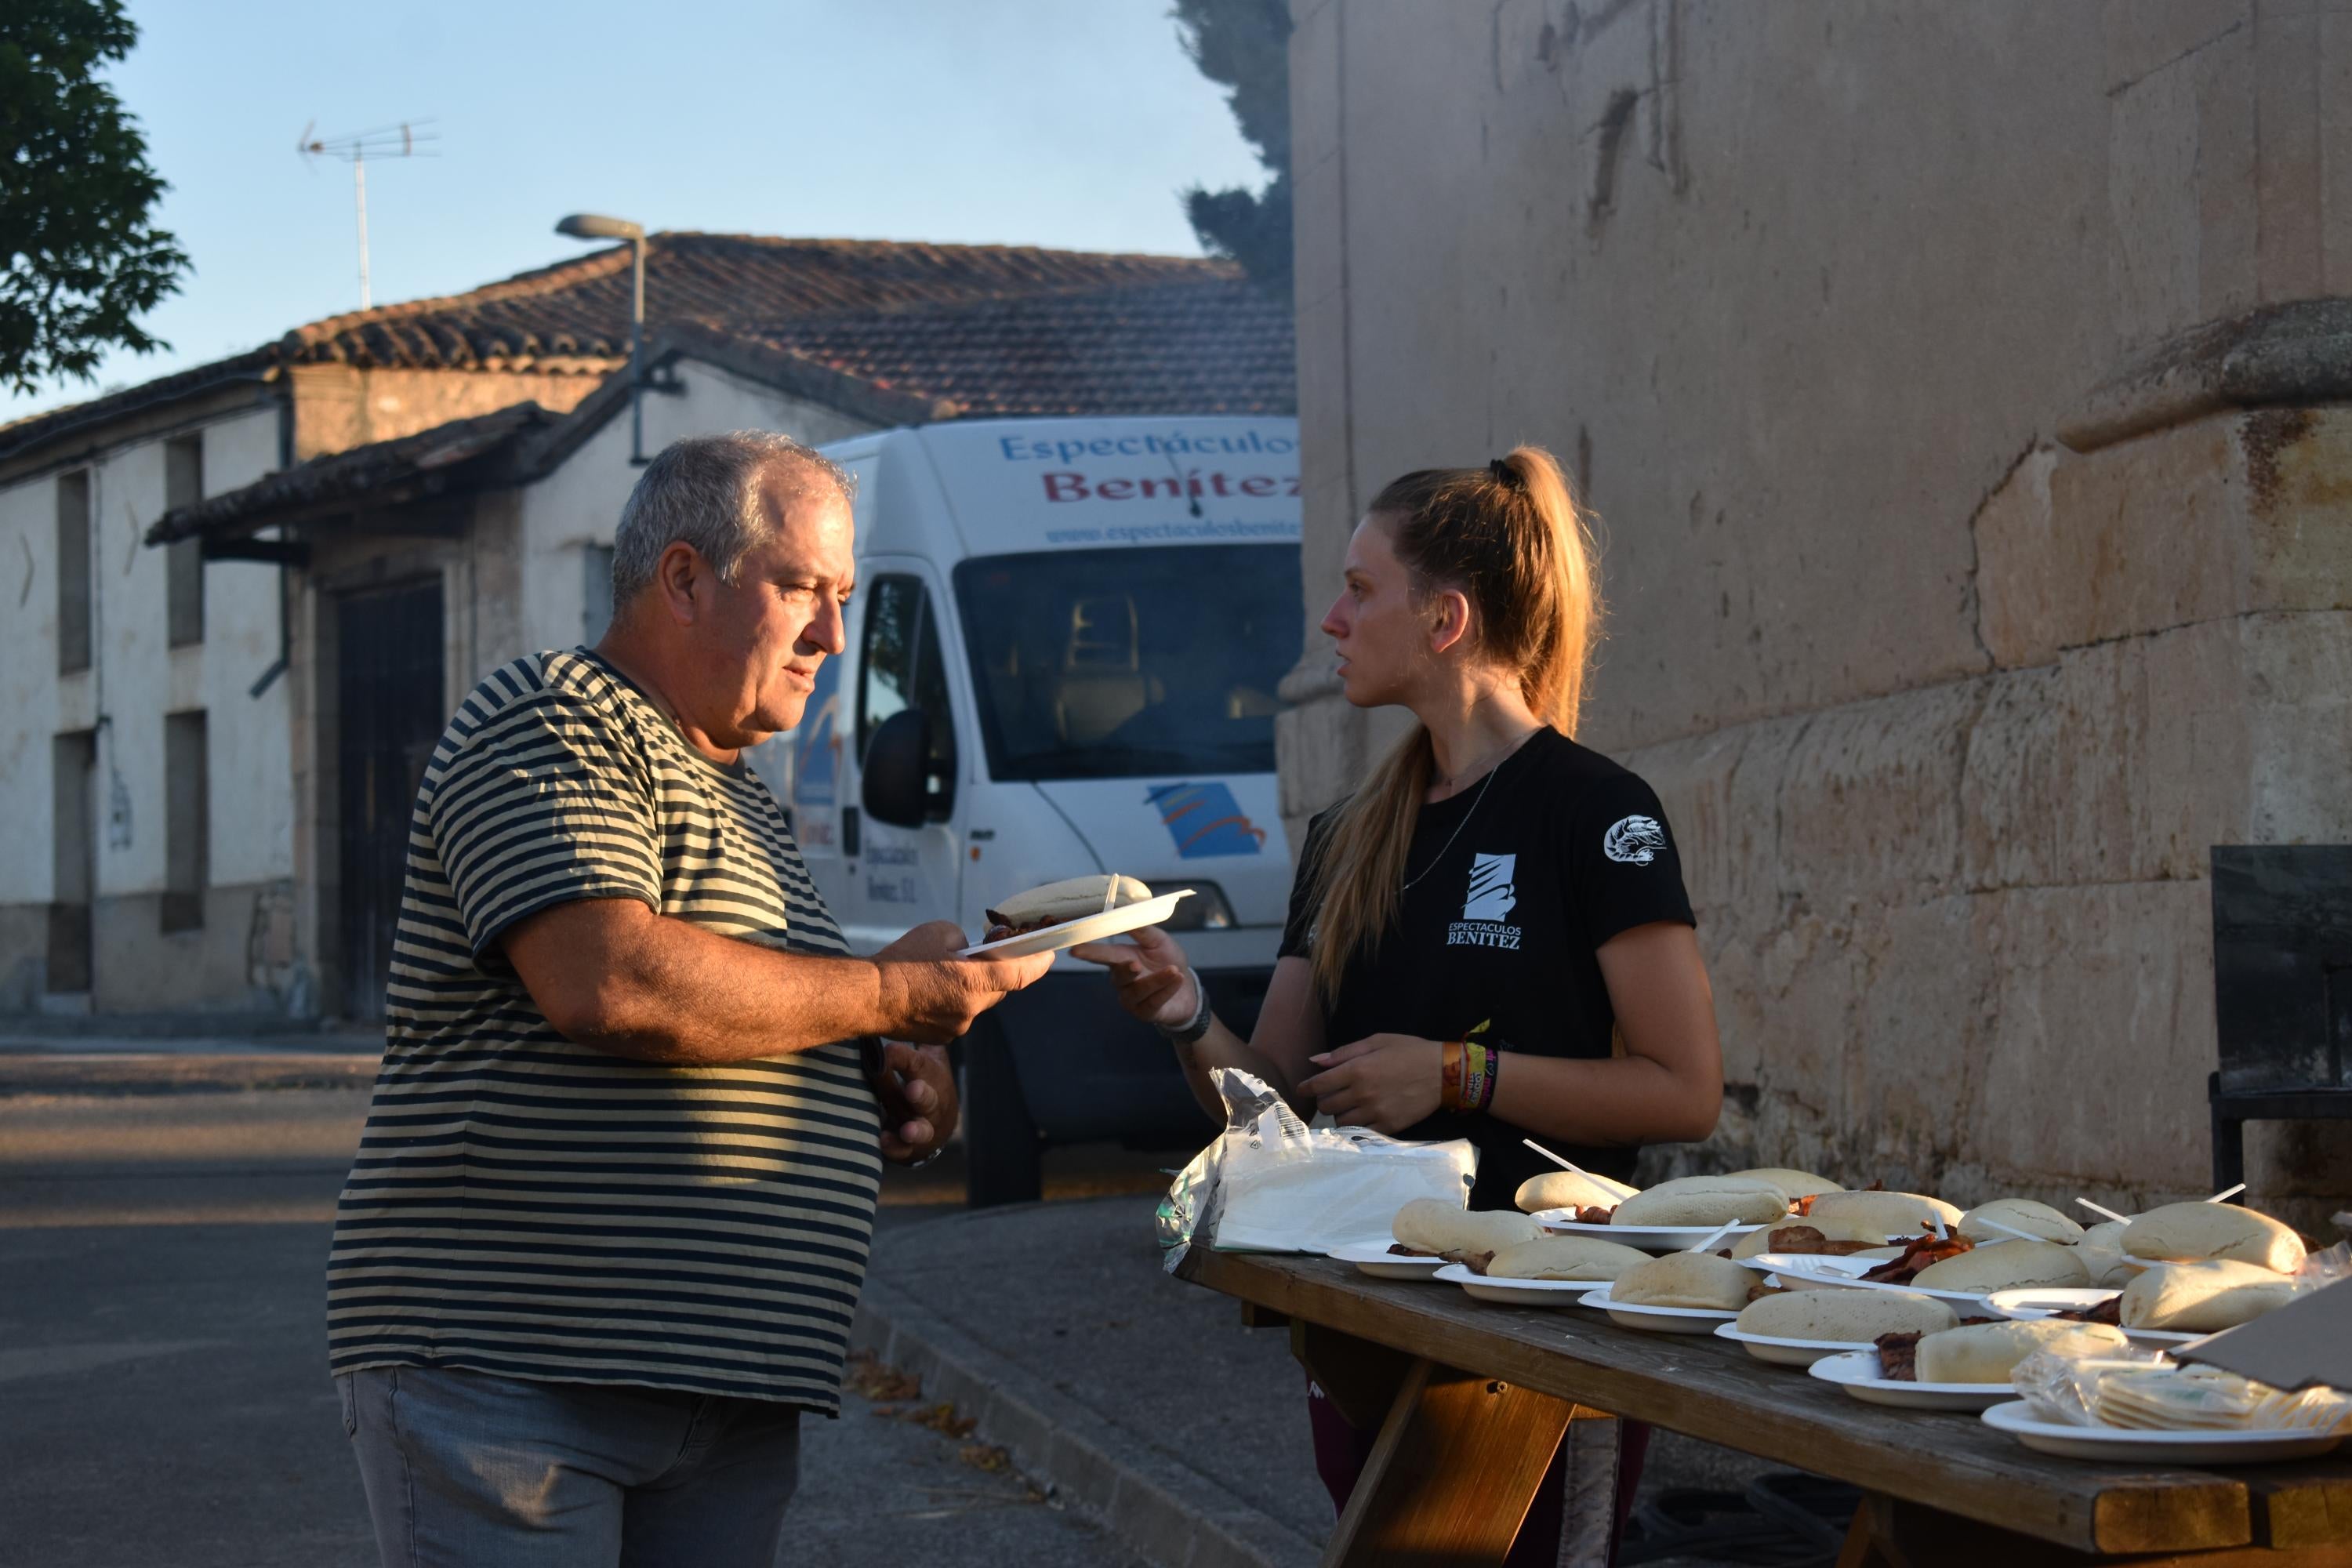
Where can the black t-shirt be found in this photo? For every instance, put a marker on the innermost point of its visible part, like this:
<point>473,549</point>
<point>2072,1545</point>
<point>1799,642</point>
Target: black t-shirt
<point>1509,893</point>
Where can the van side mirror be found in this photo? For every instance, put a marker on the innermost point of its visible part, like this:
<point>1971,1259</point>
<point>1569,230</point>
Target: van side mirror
<point>893,783</point>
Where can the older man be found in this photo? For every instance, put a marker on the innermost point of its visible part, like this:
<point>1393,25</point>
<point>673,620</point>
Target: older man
<point>610,1216</point>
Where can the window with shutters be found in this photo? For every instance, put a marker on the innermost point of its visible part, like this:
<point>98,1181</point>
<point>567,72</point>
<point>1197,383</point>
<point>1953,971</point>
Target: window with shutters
<point>184,485</point>
<point>187,820</point>
<point>73,572</point>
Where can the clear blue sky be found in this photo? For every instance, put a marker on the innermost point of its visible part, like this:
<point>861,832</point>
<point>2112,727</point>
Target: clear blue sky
<point>1060,122</point>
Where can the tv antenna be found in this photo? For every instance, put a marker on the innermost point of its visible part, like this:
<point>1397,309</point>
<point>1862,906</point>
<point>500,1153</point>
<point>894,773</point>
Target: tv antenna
<point>409,139</point>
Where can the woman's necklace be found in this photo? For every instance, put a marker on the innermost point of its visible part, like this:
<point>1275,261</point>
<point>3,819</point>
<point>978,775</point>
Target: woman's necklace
<point>1478,800</point>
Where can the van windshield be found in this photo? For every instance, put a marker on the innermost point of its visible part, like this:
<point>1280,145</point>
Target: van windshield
<point>1126,663</point>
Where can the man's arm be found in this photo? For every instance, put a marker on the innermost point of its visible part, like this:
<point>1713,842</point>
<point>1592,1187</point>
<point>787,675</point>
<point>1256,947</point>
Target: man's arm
<point>613,974</point>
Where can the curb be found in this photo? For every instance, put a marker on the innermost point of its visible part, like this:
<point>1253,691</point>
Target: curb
<point>1161,1509</point>
<point>119,1074</point>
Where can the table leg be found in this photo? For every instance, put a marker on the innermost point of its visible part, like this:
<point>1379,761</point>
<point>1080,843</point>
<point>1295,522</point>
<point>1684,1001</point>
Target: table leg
<point>1458,1462</point>
<point>1360,1378</point>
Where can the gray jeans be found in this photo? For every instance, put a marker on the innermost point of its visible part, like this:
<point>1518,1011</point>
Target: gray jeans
<point>463,1468</point>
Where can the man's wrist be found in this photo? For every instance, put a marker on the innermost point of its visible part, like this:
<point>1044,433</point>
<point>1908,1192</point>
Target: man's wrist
<point>892,996</point>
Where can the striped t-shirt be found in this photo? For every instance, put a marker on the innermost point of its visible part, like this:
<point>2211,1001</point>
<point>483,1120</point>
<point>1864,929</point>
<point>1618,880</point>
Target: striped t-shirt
<point>529,1207</point>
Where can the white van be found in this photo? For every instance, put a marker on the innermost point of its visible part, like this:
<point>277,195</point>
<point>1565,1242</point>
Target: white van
<point>1063,656</point>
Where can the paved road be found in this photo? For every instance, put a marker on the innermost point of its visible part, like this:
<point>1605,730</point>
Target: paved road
<point>162,1391</point>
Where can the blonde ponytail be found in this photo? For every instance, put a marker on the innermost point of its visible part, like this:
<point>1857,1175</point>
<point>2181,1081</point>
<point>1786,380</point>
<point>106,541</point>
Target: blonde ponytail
<point>1511,538</point>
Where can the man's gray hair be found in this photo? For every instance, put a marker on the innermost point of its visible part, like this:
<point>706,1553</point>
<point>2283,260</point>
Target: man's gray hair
<point>704,490</point>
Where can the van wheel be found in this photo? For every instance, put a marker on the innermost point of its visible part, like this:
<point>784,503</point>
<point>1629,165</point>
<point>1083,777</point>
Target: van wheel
<point>1003,1159</point>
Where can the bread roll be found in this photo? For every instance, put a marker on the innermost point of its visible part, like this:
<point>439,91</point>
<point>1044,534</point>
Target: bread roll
<point>1795,1183</point>
<point>1858,1316</point>
<point>1987,1352</point>
<point>1074,898</point>
<point>1433,1224</point>
<point>1563,1257</point>
<point>2203,1297</point>
<point>1704,1200</point>
<point>1897,1212</point>
<point>1568,1190</point>
<point>2102,1252</point>
<point>1760,1240</point>
<point>2019,1213</point>
<point>1698,1280</point>
<point>2191,1233</point>
<point>2005,1266</point>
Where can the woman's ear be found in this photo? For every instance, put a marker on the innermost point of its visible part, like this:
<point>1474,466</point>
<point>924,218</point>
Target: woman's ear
<point>1451,622</point>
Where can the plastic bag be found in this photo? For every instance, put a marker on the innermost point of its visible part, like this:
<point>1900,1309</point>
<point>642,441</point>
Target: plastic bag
<point>1270,1182</point>
<point>2145,1391</point>
<point>2324,1267</point>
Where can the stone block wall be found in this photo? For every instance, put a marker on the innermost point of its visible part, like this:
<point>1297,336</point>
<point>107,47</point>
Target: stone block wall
<point>1964,400</point>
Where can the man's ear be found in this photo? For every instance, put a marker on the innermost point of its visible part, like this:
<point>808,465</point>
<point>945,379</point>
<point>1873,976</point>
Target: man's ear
<point>1450,622</point>
<point>679,576</point>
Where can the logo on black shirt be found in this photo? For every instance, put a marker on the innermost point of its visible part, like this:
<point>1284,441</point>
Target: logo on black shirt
<point>1635,840</point>
<point>1493,896</point>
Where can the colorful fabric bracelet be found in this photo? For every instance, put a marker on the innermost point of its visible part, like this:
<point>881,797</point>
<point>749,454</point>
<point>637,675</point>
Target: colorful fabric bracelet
<point>1477,1078</point>
<point>1493,1073</point>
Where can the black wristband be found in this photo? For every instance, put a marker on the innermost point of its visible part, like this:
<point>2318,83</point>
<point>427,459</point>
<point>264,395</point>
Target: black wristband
<point>1189,1034</point>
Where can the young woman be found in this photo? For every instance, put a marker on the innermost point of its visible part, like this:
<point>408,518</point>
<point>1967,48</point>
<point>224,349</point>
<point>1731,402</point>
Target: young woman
<point>1490,939</point>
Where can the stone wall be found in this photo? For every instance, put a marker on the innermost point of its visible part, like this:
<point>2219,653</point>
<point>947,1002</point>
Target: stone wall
<point>1951,642</point>
<point>339,406</point>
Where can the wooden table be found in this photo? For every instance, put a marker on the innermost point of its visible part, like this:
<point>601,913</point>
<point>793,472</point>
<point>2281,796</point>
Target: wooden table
<point>1473,1400</point>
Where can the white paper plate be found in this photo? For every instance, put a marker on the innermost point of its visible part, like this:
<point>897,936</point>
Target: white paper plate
<point>1519,1292</point>
<point>1373,1258</point>
<point>2040,1301</point>
<point>1784,1353</point>
<point>1657,1320</point>
<point>1809,1268</point>
<point>1856,1371</point>
<point>1085,928</point>
<point>2135,1447</point>
<point>1648,1237</point>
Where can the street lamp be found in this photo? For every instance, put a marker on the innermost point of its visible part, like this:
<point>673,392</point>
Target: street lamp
<point>595,226</point>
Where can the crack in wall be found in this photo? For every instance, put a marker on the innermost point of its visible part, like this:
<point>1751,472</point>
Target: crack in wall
<point>1972,594</point>
<point>2194,49</point>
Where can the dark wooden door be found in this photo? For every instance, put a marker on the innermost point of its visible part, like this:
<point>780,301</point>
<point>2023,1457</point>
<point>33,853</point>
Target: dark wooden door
<point>390,710</point>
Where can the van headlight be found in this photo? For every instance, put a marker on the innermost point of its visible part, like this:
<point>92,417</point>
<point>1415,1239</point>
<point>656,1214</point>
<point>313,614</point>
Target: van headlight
<point>1206,909</point>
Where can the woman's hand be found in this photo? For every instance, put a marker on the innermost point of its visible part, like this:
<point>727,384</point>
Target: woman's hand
<point>1385,1082</point>
<point>1152,976</point>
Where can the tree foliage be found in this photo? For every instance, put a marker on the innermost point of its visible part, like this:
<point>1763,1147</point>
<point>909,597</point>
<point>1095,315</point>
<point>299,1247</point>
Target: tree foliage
<point>1243,46</point>
<point>76,196</point>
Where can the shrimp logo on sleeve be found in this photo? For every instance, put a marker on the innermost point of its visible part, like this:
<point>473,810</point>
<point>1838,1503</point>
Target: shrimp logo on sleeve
<point>1634,840</point>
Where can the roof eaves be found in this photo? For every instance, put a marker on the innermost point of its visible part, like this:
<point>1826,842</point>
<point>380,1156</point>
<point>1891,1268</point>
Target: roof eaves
<point>38,430</point>
<point>463,455</point>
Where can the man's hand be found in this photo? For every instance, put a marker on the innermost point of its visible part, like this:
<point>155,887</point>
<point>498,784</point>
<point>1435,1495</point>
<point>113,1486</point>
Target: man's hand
<point>1150,974</point>
<point>931,996</point>
<point>1386,1082</point>
<point>917,1088</point>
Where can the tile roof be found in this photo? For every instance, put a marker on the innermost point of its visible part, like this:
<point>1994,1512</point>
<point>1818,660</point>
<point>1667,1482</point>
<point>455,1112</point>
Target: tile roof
<point>574,315</point>
<point>1216,346</point>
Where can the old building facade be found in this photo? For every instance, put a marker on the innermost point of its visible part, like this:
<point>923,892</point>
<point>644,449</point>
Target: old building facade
<point>1956,390</point>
